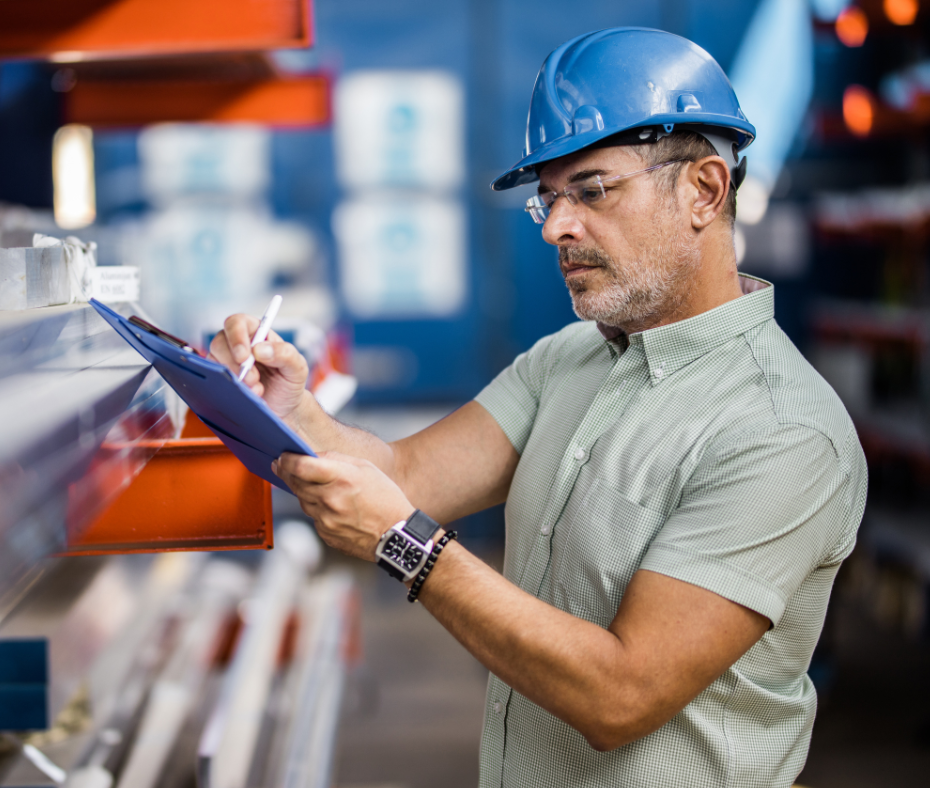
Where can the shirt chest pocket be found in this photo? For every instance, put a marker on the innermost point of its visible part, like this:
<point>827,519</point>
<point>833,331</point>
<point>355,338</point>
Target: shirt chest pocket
<point>597,547</point>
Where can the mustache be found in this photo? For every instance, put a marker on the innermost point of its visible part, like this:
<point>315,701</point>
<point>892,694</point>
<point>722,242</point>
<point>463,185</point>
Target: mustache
<point>592,257</point>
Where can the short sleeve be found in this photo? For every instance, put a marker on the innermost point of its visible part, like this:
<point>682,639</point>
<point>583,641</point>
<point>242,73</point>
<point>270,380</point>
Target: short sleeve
<point>757,517</point>
<point>512,398</point>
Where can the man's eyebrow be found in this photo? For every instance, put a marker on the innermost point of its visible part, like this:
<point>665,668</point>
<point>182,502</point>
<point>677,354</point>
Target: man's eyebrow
<point>581,175</point>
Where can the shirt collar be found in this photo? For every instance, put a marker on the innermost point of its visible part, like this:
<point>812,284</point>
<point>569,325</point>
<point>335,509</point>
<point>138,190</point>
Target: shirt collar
<point>668,348</point>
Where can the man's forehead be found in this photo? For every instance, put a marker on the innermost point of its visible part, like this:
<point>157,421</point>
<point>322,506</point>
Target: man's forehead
<point>559,172</point>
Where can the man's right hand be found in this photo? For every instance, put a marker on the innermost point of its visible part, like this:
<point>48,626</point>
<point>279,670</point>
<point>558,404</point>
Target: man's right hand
<point>280,372</point>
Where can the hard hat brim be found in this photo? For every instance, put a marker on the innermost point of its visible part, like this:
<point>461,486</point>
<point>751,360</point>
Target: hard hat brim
<point>525,170</point>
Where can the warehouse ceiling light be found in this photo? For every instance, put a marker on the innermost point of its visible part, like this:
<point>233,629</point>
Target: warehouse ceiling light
<point>901,12</point>
<point>852,27</point>
<point>75,199</point>
<point>858,111</point>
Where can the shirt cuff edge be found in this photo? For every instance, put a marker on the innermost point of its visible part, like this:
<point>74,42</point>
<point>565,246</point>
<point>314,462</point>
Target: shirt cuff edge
<point>718,577</point>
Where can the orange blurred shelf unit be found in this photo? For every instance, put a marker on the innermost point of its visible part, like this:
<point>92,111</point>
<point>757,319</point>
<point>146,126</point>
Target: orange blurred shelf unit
<point>165,92</point>
<point>130,63</point>
<point>192,494</point>
<point>73,30</point>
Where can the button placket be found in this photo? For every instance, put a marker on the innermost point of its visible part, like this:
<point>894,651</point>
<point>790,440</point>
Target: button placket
<point>588,433</point>
<point>606,400</point>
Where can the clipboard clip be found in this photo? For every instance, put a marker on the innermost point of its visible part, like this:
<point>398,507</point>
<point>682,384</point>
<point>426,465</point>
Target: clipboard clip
<point>169,338</point>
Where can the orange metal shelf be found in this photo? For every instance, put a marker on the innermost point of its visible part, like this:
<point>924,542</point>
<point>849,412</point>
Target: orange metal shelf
<point>78,29</point>
<point>278,101</point>
<point>193,494</point>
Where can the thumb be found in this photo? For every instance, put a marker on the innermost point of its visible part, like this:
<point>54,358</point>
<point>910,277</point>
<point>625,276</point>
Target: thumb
<point>347,459</point>
<point>313,470</point>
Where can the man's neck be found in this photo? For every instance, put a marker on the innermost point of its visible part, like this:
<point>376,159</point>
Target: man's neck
<point>705,292</point>
<point>714,283</point>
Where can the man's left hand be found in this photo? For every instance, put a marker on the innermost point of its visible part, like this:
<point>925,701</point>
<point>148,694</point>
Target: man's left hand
<point>351,501</point>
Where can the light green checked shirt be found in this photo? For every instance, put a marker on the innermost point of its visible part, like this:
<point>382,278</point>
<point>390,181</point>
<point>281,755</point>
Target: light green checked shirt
<point>709,451</point>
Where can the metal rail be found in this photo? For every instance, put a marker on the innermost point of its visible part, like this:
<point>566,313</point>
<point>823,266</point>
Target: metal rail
<point>66,382</point>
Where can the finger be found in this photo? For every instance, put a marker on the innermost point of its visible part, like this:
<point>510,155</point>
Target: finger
<point>253,377</point>
<point>310,470</point>
<point>239,330</point>
<point>310,509</point>
<point>310,506</point>
<point>309,494</point>
<point>346,458</point>
<point>284,358</point>
<point>286,476</point>
<point>219,350</point>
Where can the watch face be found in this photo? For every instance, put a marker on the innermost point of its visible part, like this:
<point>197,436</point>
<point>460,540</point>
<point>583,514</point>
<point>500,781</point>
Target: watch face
<point>394,549</point>
<point>411,558</point>
<point>402,553</point>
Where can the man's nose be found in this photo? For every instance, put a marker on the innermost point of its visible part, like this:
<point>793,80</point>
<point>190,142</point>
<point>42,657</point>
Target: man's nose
<point>562,223</point>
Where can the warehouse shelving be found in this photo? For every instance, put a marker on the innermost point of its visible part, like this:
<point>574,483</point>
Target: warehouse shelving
<point>76,30</point>
<point>99,459</point>
<point>282,101</point>
<point>134,62</point>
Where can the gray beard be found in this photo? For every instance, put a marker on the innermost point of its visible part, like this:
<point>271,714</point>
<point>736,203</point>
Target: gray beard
<point>636,296</point>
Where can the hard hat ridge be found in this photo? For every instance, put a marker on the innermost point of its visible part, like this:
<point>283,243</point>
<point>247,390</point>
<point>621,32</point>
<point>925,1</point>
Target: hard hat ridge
<point>599,84</point>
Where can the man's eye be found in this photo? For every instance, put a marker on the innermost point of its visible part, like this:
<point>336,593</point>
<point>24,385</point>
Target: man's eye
<point>591,194</point>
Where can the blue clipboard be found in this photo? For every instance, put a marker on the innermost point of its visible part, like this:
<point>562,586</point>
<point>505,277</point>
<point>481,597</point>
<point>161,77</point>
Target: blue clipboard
<point>239,418</point>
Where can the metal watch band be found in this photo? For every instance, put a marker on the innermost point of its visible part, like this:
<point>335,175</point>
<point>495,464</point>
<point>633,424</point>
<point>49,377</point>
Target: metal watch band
<point>421,527</point>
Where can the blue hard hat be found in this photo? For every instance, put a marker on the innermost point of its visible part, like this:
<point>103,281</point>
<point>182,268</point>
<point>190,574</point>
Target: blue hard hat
<point>600,84</point>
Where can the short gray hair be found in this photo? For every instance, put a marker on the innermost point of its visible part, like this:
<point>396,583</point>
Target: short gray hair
<point>690,146</point>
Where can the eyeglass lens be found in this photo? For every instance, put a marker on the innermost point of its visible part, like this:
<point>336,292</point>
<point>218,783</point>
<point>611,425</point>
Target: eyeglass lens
<point>589,192</point>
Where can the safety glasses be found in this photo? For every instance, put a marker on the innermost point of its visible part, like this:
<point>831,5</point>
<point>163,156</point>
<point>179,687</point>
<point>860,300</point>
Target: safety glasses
<point>589,192</point>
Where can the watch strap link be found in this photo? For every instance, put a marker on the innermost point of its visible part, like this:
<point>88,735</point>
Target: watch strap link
<point>420,526</point>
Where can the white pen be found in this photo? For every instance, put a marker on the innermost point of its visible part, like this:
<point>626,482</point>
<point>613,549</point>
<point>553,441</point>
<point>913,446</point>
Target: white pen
<point>261,334</point>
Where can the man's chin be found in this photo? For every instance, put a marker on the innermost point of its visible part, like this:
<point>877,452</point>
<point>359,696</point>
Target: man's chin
<point>592,306</point>
<point>585,310</point>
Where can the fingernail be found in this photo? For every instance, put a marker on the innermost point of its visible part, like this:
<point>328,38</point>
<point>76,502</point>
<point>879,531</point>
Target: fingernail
<point>263,352</point>
<point>240,353</point>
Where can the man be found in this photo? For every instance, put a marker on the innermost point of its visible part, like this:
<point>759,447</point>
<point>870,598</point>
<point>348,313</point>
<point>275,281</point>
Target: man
<point>681,486</point>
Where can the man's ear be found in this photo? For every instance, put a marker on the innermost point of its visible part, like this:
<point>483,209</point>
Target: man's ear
<point>710,179</point>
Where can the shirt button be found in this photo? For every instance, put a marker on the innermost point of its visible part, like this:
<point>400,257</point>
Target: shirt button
<point>658,372</point>
<point>498,707</point>
<point>544,530</point>
<point>580,454</point>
